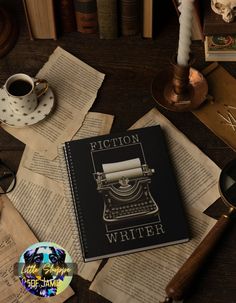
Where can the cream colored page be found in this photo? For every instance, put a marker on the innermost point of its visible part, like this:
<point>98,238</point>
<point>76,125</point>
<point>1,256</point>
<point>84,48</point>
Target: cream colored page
<point>131,278</point>
<point>11,289</point>
<point>12,244</point>
<point>196,174</point>
<point>42,204</point>
<point>95,124</point>
<point>75,85</point>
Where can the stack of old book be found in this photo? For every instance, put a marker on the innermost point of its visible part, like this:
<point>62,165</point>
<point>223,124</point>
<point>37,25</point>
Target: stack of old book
<point>46,19</point>
<point>220,36</point>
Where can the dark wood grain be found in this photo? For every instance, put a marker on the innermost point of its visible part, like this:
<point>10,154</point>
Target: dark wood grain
<point>130,64</point>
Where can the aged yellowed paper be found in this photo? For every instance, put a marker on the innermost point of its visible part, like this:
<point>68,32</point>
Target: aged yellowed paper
<point>42,204</point>
<point>40,197</point>
<point>75,85</point>
<point>15,237</point>
<point>131,278</point>
<point>197,175</point>
<point>142,277</point>
<point>94,124</point>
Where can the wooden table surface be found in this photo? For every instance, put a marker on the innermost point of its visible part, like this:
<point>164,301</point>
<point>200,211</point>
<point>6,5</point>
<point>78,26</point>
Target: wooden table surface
<point>130,64</point>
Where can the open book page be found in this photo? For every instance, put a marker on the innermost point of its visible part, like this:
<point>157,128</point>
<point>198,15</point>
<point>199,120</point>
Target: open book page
<point>131,278</point>
<point>42,204</point>
<point>12,244</point>
<point>75,85</point>
<point>95,124</point>
<point>196,174</point>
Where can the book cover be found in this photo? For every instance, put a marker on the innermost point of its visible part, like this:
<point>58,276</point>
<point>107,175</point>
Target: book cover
<point>220,48</point>
<point>124,193</point>
<point>147,19</point>
<point>86,16</point>
<point>66,15</point>
<point>40,16</point>
<point>107,19</point>
<point>214,24</point>
<point>129,17</point>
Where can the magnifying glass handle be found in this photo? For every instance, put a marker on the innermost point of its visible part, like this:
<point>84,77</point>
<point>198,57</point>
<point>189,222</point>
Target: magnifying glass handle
<point>181,282</point>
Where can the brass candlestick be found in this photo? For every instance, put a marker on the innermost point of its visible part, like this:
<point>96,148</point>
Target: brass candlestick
<point>179,88</point>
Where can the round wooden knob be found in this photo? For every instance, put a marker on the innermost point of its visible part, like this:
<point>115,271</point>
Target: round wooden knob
<point>8,32</point>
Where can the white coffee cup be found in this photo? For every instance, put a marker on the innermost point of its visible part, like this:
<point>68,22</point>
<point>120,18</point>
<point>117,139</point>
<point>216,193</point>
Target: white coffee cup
<point>23,93</point>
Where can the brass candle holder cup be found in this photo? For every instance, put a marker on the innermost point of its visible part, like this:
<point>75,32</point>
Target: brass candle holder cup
<point>179,88</point>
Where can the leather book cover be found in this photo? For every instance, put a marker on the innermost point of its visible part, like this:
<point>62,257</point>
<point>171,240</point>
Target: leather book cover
<point>67,16</point>
<point>107,18</point>
<point>124,193</point>
<point>129,17</point>
<point>86,16</point>
<point>214,24</point>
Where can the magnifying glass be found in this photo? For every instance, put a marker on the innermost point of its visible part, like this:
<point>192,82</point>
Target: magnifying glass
<point>179,286</point>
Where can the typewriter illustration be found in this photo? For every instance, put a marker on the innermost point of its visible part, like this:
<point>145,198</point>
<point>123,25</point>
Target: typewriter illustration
<point>125,189</point>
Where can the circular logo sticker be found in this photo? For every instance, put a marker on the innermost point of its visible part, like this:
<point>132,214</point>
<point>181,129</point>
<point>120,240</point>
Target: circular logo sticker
<point>45,269</point>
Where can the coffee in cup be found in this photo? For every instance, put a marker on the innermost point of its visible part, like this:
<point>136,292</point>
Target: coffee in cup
<point>23,93</point>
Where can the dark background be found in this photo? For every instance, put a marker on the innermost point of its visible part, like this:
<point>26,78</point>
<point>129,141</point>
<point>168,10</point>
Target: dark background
<point>130,64</point>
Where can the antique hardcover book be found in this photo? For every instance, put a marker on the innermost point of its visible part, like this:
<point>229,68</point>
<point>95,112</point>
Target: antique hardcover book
<point>129,17</point>
<point>40,16</point>
<point>213,23</point>
<point>124,193</point>
<point>86,16</point>
<point>147,18</point>
<point>66,12</point>
<point>107,19</point>
<point>220,48</point>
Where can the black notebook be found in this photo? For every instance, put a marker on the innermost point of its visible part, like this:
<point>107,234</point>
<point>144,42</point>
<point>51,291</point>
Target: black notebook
<point>124,193</point>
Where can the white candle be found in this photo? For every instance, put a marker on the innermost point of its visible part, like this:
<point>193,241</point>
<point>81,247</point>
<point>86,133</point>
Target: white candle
<point>185,31</point>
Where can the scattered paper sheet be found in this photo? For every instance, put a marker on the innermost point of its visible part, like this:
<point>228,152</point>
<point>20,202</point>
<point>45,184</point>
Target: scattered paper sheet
<point>41,200</point>
<point>142,277</point>
<point>75,85</point>
<point>95,124</point>
<point>131,278</point>
<point>42,204</point>
<point>196,174</point>
<point>12,244</point>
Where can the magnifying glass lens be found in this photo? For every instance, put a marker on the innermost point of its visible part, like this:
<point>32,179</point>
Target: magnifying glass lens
<point>228,183</point>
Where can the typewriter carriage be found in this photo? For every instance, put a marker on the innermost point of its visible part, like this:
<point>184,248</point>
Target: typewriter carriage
<point>128,195</point>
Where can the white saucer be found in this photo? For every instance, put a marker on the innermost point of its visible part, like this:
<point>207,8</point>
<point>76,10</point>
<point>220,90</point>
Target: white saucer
<point>10,118</point>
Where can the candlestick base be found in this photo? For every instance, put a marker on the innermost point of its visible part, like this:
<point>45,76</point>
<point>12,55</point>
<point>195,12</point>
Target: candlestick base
<point>164,91</point>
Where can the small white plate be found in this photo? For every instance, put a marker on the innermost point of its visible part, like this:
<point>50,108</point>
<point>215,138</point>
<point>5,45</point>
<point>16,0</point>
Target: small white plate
<point>10,118</point>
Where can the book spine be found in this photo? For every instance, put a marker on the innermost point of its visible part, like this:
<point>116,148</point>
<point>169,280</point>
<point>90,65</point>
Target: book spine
<point>197,31</point>
<point>86,16</point>
<point>40,17</point>
<point>129,15</point>
<point>147,19</point>
<point>28,20</point>
<point>107,19</point>
<point>76,221</point>
<point>67,16</point>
